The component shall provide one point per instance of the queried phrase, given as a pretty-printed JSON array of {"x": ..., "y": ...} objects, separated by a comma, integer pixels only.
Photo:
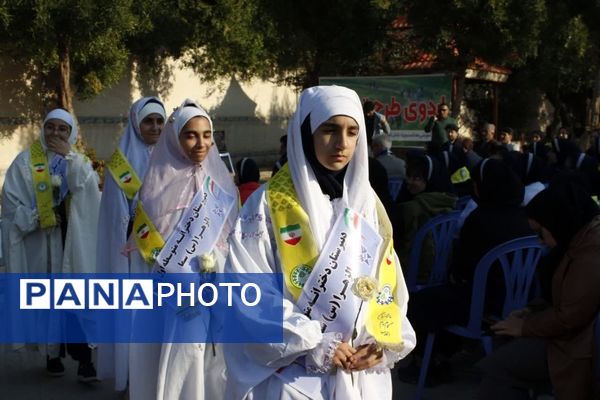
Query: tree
[
  {"x": 215, "y": 38},
  {"x": 72, "y": 46},
  {"x": 567, "y": 65},
  {"x": 308, "y": 39},
  {"x": 459, "y": 31}
]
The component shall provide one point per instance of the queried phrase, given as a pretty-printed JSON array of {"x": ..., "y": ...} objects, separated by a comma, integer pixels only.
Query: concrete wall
[{"x": 253, "y": 114}]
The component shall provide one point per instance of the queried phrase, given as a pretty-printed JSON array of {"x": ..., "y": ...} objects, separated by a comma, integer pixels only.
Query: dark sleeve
[
  {"x": 578, "y": 303},
  {"x": 429, "y": 124}
]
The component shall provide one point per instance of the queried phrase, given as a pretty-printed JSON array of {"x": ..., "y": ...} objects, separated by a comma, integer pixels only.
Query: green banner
[{"x": 406, "y": 101}]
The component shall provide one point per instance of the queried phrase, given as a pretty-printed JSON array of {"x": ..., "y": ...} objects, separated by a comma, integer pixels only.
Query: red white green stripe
[
  {"x": 143, "y": 231},
  {"x": 291, "y": 234},
  {"x": 125, "y": 177}
]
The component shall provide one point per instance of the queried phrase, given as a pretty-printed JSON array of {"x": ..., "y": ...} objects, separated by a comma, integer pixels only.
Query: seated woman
[
  {"x": 292, "y": 225},
  {"x": 530, "y": 169},
  {"x": 497, "y": 219},
  {"x": 248, "y": 177},
  {"x": 456, "y": 165},
  {"x": 556, "y": 338},
  {"x": 184, "y": 168},
  {"x": 428, "y": 193},
  {"x": 567, "y": 156}
]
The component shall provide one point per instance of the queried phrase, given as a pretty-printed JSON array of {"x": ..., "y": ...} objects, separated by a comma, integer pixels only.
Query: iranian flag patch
[
  {"x": 39, "y": 167},
  {"x": 143, "y": 231},
  {"x": 291, "y": 234},
  {"x": 125, "y": 177}
]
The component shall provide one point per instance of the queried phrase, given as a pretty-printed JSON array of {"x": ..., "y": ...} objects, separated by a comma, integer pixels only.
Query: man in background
[
  {"x": 375, "y": 122},
  {"x": 437, "y": 126}
]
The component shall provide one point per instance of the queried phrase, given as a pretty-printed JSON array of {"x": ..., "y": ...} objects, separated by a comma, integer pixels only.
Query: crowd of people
[
  {"x": 507, "y": 189},
  {"x": 336, "y": 161}
]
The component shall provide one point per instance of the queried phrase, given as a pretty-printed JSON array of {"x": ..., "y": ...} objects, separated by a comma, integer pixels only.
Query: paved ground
[{"x": 23, "y": 377}]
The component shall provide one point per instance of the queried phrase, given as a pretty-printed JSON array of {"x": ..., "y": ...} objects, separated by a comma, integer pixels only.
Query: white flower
[
  {"x": 365, "y": 287},
  {"x": 208, "y": 262},
  {"x": 56, "y": 180}
]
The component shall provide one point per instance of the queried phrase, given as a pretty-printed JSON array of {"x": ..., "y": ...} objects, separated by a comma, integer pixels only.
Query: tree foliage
[
  {"x": 458, "y": 31},
  {"x": 312, "y": 38},
  {"x": 85, "y": 35}
]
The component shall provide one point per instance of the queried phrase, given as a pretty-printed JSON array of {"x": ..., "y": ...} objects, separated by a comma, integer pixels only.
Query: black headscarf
[
  {"x": 378, "y": 178},
  {"x": 434, "y": 172},
  {"x": 565, "y": 149},
  {"x": 247, "y": 170},
  {"x": 497, "y": 184},
  {"x": 527, "y": 166},
  {"x": 331, "y": 182},
  {"x": 563, "y": 208}
]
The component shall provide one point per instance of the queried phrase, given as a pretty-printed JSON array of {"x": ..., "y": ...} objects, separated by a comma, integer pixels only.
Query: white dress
[
  {"x": 29, "y": 249},
  {"x": 253, "y": 368}
]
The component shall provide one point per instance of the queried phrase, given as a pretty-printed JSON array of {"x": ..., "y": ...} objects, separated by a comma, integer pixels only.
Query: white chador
[
  {"x": 301, "y": 367},
  {"x": 116, "y": 211},
  {"x": 27, "y": 247},
  {"x": 172, "y": 371}
]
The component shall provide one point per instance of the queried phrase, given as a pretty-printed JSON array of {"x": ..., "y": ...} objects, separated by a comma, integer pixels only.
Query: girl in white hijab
[
  {"x": 182, "y": 161},
  {"x": 326, "y": 180},
  {"x": 50, "y": 206},
  {"x": 146, "y": 120}
]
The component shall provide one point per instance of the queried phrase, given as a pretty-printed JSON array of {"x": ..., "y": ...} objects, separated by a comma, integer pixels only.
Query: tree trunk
[
  {"x": 595, "y": 103},
  {"x": 459, "y": 93},
  {"x": 65, "y": 94}
]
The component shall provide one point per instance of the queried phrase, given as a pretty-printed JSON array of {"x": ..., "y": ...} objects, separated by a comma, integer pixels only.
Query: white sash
[
  {"x": 197, "y": 231},
  {"x": 351, "y": 251}
]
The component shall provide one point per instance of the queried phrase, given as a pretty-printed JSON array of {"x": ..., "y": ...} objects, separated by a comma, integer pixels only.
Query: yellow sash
[
  {"x": 460, "y": 175},
  {"x": 297, "y": 247},
  {"x": 42, "y": 185},
  {"x": 147, "y": 238},
  {"x": 298, "y": 253},
  {"x": 124, "y": 174},
  {"x": 384, "y": 318}
]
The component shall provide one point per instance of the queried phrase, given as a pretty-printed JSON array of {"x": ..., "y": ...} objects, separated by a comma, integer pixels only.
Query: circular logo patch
[
  {"x": 299, "y": 276},
  {"x": 155, "y": 252},
  {"x": 42, "y": 186}
]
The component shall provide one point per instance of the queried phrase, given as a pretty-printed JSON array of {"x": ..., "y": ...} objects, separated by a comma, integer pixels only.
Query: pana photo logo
[{"x": 129, "y": 294}]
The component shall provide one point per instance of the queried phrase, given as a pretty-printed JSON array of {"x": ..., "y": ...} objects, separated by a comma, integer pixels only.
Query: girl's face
[
  {"x": 415, "y": 183},
  {"x": 151, "y": 127},
  {"x": 57, "y": 127},
  {"x": 195, "y": 139},
  {"x": 335, "y": 142}
]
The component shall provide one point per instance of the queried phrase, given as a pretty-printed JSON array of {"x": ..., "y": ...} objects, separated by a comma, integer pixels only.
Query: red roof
[{"x": 424, "y": 60}]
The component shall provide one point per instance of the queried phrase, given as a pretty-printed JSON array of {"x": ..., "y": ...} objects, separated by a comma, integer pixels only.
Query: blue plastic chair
[
  {"x": 394, "y": 186},
  {"x": 518, "y": 258},
  {"x": 462, "y": 201},
  {"x": 441, "y": 229}
]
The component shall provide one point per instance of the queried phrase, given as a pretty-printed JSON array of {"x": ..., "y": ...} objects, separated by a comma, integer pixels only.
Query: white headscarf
[
  {"x": 132, "y": 145},
  {"x": 66, "y": 117},
  {"x": 115, "y": 210},
  {"x": 322, "y": 103},
  {"x": 173, "y": 179}
]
